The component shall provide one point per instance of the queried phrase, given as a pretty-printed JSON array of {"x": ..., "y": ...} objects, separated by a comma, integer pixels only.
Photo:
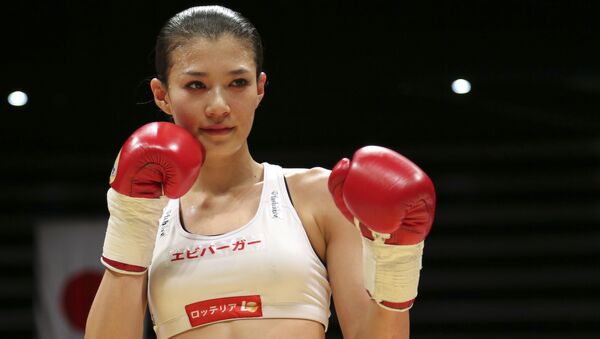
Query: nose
[{"x": 217, "y": 107}]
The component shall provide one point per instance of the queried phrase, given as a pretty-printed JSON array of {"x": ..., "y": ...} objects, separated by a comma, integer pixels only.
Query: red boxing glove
[
  {"x": 159, "y": 157},
  {"x": 392, "y": 202}
]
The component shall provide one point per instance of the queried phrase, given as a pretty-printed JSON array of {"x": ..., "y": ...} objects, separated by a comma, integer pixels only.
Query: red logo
[{"x": 208, "y": 311}]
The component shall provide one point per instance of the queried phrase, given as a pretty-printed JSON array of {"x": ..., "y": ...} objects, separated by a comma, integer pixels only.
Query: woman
[{"x": 247, "y": 250}]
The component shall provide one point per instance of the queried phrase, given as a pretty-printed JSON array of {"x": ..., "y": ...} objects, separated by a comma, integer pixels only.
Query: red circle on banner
[{"x": 77, "y": 297}]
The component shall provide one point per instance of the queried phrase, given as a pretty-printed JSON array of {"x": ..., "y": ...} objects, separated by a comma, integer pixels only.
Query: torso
[{"x": 225, "y": 210}]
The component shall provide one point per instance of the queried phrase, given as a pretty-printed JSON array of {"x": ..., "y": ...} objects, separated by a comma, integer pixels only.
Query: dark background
[{"x": 515, "y": 247}]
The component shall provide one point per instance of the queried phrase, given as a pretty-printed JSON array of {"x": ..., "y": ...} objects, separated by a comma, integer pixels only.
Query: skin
[{"x": 213, "y": 83}]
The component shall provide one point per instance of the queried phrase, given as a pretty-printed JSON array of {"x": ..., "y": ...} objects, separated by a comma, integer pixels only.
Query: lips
[{"x": 217, "y": 130}]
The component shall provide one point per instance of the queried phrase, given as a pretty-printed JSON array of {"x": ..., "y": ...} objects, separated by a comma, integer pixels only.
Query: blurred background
[{"x": 515, "y": 248}]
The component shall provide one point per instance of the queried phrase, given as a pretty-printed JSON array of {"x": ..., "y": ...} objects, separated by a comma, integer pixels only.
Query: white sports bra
[{"x": 264, "y": 269}]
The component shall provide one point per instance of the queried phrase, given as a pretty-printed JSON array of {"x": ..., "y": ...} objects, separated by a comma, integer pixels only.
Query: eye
[
  {"x": 196, "y": 85},
  {"x": 239, "y": 83}
]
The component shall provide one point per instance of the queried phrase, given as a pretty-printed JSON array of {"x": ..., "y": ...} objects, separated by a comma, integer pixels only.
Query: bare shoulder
[
  {"x": 310, "y": 186},
  {"x": 308, "y": 190},
  {"x": 306, "y": 171},
  {"x": 309, "y": 179}
]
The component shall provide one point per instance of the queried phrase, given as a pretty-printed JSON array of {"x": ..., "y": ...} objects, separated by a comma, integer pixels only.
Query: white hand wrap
[
  {"x": 391, "y": 272},
  {"x": 131, "y": 231}
]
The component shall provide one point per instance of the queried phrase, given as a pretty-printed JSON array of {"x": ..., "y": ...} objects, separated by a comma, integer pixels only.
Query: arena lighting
[
  {"x": 17, "y": 98},
  {"x": 461, "y": 86}
]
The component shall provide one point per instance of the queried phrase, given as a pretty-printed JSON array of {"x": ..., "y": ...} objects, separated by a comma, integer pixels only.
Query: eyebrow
[{"x": 238, "y": 71}]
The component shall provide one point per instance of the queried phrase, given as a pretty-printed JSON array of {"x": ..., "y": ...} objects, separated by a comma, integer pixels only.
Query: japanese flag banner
[{"x": 68, "y": 273}]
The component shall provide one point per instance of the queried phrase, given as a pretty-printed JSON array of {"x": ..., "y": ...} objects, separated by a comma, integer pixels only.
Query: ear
[
  {"x": 161, "y": 96},
  {"x": 260, "y": 87}
]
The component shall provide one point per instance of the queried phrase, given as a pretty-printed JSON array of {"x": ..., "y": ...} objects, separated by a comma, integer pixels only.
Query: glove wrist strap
[
  {"x": 391, "y": 272},
  {"x": 131, "y": 232}
]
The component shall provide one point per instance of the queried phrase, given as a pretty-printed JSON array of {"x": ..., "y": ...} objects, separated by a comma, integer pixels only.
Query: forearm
[
  {"x": 119, "y": 307},
  {"x": 381, "y": 323}
]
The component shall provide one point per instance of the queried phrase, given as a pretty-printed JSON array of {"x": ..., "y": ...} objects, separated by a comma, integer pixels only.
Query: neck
[{"x": 221, "y": 173}]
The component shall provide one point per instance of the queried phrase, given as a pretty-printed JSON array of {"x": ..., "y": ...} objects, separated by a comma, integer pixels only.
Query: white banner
[{"x": 68, "y": 272}]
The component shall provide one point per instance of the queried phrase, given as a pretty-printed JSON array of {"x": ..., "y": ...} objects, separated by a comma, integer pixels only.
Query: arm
[
  {"x": 158, "y": 158},
  {"x": 392, "y": 202},
  {"x": 119, "y": 307},
  {"x": 358, "y": 314}
]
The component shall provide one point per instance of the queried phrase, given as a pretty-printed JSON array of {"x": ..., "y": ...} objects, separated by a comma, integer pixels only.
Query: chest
[
  {"x": 219, "y": 214},
  {"x": 227, "y": 213}
]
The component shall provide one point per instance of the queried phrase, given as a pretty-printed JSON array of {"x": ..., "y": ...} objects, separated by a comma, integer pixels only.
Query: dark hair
[{"x": 210, "y": 22}]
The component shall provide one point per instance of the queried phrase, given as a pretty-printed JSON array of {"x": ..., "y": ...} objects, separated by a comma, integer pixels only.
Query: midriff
[{"x": 258, "y": 328}]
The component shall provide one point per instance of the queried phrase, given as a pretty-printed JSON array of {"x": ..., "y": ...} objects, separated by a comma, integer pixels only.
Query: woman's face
[{"x": 213, "y": 91}]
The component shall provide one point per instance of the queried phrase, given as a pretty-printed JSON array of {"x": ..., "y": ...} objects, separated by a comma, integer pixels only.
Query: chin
[{"x": 221, "y": 148}]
